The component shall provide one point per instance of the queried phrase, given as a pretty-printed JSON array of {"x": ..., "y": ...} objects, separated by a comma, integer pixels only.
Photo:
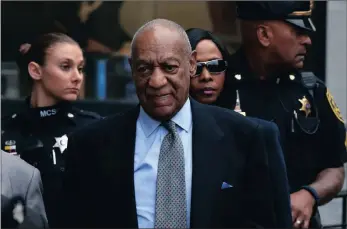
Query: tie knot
[{"x": 170, "y": 126}]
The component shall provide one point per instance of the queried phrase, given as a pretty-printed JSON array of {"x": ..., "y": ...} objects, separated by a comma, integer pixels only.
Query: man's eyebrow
[{"x": 141, "y": 61}]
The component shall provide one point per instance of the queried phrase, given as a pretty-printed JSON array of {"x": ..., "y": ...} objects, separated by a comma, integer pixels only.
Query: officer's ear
[
  {"x": 264, "y": 34},
  {"x": 34, "y": 70}
]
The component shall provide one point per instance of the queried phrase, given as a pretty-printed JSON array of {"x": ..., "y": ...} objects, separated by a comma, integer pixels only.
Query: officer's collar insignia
[
  {"x": 334, "y": 107},
  {"x": 306, "y": 106},
  {"x": 292, "y": 77},
  {"x": 48, "y": 112},
  {"x": 10, "y": 142},
  {"x": 61, "y": 143},
  {"x": 238, "y": 76},
  {"x": 10, "y": 147}
]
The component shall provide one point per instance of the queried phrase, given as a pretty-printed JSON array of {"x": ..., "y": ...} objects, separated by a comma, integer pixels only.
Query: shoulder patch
[{"x": 334, "y": 106}]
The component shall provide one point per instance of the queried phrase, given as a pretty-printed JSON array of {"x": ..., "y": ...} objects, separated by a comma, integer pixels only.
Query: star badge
[
  {"x": 61, "y": 143},
  {"x": 237, "y": 76},
  {"x": 305, "y": 106}
]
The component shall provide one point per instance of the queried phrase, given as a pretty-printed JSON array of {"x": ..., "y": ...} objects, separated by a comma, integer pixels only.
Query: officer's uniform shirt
[
  {"x": 39, "y": 136},
  {"x": 312, "y": 129}
]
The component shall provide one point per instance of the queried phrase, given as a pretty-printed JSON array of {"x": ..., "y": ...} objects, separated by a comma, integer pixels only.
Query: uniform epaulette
[
  {"x": 5, "y": 117},
  {"x": 8, "y": 121},
  {"x": 88, "y": 114},
  {"x": 9, "y": 117}
]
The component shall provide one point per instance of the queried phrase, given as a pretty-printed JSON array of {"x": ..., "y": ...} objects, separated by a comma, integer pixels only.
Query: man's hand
[{"x": 302, "y": 203}]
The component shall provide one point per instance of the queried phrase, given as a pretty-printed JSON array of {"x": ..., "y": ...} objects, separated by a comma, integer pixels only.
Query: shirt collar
[{"x": 183, "y": 119}]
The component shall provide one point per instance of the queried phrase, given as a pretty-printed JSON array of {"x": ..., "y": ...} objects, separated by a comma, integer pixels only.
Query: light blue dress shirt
[{"x": 149, "y": 136}]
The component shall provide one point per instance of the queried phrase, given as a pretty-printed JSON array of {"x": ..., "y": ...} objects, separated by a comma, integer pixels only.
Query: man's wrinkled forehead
[
  {"x": 158, "y": 54},
  {"x": 158, "y": 44}
]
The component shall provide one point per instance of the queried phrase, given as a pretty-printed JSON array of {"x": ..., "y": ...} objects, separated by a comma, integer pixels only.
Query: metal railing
[{"x": 343, "y": 225}]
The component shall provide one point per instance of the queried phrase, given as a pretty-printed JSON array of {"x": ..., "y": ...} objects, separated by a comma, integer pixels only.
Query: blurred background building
[{"x": 104, "y": 30}]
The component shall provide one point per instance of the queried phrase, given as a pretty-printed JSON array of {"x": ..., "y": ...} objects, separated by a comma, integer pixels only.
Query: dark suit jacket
[
  {"x": 227, "y": 147},
  {"x": 278, "y": 175}
]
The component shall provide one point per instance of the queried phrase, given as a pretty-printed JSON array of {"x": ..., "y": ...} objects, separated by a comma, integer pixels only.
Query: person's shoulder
[
  {"x": 309, "y": 80},
  {"x": 84, "y": 114},
  {"x": 16, "y": 166},
  {"x": 321, "y": 87},
  {"x": 243, "y": 125},
  {"x": 10, "y": 120},
  {"x": 264, "y": 126},
  {"x": 227, "y": 117},
  {"x": 102, "y": 127},
  {"x": 321, "y": 91},
  {"x": 14, "y": 161},
  {"x": 82, "y": 118}
]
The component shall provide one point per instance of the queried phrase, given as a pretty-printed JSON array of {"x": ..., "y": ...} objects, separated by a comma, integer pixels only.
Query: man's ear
[
  {"x": 264, "y": 34},
  {"x": 192, "y": 62},
  {"x": 35, "y": 71}
]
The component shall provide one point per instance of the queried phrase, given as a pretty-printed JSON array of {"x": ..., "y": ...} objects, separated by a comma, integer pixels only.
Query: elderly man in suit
[
  {"x": 21, "y": 194},
  {"x": 171, "y": 162}
]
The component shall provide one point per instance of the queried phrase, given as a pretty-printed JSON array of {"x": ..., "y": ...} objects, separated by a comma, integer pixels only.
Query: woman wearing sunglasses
[{"x": 207, "y": 84}]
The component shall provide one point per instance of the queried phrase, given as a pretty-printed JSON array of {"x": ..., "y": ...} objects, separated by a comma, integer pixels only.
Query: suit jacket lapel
[{"x": 207, "y": 165}]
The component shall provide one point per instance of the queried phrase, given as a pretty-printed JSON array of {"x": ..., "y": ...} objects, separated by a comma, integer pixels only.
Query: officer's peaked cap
[{"x": 297, "y": 13}]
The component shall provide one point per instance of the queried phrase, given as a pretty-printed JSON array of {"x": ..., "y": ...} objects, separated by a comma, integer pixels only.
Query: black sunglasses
[{"x": 213, "y": 66}]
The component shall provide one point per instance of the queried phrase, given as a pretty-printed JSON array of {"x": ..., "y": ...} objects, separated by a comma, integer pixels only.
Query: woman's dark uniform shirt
[
  {"x": 312, "y": 130},
  {"x": 39, "y": 136}
]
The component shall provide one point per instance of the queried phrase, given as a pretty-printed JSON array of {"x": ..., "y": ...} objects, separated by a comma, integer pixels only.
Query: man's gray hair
[{"x": 159, "y": 22}]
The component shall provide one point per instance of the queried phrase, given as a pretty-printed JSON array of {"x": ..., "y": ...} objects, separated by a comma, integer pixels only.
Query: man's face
[
  {"x": 289, "y": 44},
  {"x": 161, "y": 69}
]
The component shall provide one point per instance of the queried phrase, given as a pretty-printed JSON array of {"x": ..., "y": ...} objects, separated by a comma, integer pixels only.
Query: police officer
[
  {"x": 39, "y": 134},
  {"x": 267, "y": 82}
]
